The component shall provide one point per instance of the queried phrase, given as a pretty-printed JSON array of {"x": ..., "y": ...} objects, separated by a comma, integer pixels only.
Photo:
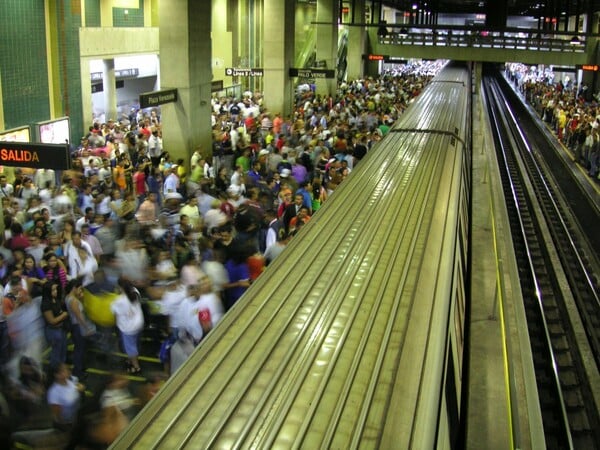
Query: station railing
[{"x": 511, "y": 40}]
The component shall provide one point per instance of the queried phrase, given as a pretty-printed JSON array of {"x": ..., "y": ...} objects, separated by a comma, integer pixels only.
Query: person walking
[
  {"x": 56, "y": 317},
  {"x": 81, "y": 326},
  {"x": 130, "y": 322}
]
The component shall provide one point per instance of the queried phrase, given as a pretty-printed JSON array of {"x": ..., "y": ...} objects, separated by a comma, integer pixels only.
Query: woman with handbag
[
  {"x": 56, "y": 316},
  {"x": 81, "y": 326}
]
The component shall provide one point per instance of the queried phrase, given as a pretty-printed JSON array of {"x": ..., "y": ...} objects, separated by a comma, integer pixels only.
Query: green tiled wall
[
  {"x": 24, "y": 68},
  {"x": 134, "y": 18},
  {"x": 69, "y": 21},
  {"x": 23, "y": 62},
  {"x": 92, "y": 13}
]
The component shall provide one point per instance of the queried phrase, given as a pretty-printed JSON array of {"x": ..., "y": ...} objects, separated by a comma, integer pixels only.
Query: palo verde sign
[
  {"x": 312, "y": 73},
  {"x": 36, "y": 156}
]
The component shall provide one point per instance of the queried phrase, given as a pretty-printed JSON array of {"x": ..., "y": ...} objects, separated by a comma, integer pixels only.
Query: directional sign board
[
  {"x": 312, "y": 73},
  {"x": 149, "y": 99},
  {"x": 37, "y": 156},
  {"x": 395, "y": 60},
  {"x": 589, "y": 67},
  {"x": 236, "y": 72}
]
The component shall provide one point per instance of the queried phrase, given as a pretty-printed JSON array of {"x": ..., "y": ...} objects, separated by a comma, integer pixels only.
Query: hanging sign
[
  {"x": 149, "y": 99},
  {"x": 37, "y": 156},
  {"x": 312, "y": 73},
  {"x": 235, "y": 72}
]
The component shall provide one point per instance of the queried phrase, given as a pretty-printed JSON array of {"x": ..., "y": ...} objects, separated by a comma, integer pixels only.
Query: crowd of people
[
  {"x": 570, "y": 110},
  {"x": 128, "y": 237}
]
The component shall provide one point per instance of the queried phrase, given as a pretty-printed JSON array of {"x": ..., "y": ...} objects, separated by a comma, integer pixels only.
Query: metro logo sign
[{"x": 237, "y": 72}]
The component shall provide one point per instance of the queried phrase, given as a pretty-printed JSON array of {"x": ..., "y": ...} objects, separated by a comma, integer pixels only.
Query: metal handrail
[{"x": 441, "y": 37}]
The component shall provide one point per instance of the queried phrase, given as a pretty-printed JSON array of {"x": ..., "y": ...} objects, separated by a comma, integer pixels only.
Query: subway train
[{"x": 354, "y": 336}]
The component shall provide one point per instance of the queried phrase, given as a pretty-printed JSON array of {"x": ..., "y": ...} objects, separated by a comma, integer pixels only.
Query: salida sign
[{"x": 36, "y": 156}]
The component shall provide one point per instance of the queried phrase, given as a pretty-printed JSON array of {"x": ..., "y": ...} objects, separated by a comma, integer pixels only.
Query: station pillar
[
  {"x": 356, "y": 43},
  {"x": 185, "y": 54},
  {"x": 327, "y": 45},
  {"x": 278, "y": 55},
  {"x": 371, "y": 68},
  {"x": 109, "y": 89}
]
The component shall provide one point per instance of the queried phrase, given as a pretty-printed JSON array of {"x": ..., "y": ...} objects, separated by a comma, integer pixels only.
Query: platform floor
[{"x": 490, "y": 424}]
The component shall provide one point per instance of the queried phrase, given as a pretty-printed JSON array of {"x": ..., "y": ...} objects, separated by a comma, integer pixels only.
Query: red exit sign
[{"x": 375, "y": 57}]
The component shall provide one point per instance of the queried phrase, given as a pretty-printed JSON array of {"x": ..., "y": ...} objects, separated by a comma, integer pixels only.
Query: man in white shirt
[
  {"x": 87, "y": 218},
  {"x": 202, "y": 310},
  {"x": 171, "y": 182},
  {"x": 43, "y": 176},
  {"x": 237, "y": 179},
  {"x": 92, "y": 241},
  {"x": 6, "y": 189},
  {"x": 155, "y": 147},
  {"x": 195, "y": 159},
  {"x": 77, "y": 265},
  {"x": 170, "y": 305},
  {"x": 86, "y": 199},
  {"x": 104, "y": 172}
]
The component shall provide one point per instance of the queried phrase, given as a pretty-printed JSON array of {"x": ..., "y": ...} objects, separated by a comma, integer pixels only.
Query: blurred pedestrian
[
  {"x": 130, "y": 322},
  {"x": 56, "y": 317}
]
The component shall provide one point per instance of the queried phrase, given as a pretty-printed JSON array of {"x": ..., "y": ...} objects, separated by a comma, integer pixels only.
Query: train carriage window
[{"x": 459, "y": 318}]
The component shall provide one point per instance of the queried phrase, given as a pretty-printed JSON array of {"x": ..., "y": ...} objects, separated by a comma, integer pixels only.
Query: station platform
[{"x": 502, "y": 410}]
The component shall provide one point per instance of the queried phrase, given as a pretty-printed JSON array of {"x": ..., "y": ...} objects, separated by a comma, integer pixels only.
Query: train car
[{"x": 353, "y": 337}]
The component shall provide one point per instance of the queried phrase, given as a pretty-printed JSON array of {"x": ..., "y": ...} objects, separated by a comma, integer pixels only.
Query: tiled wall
[
  {"x": 92, "y": 13},
  {"x": 23, "y": 58},
  {"x": 23, "y": 62},
  {"x": 68, "y": 23},
  {"x": 133, "y": 18}
]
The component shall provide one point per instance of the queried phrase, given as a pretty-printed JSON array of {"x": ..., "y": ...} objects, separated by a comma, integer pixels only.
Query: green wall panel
[
  {"x": 133, "y": 18},
  {"x": 23, "y": 63},
  {"x": 92, "y": 13},
  {"x": 68, "y": 23}
]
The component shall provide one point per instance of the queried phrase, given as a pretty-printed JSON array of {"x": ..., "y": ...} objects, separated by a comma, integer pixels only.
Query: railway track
[{"x": 549, "y": 248}]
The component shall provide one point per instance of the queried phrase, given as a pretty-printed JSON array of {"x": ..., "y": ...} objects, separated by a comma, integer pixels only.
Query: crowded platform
[
  {"x": 130, "y": 250},
  {"x": 569, "y": 109}
]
